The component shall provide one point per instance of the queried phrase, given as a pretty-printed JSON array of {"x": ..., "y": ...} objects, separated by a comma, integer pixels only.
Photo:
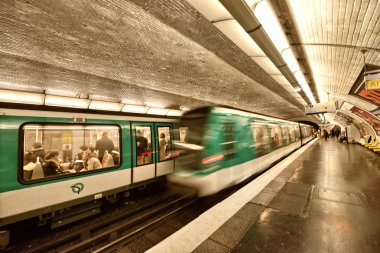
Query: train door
[
  {"x": 151, "y": 143},
  {"x": 164, "y": 158}
]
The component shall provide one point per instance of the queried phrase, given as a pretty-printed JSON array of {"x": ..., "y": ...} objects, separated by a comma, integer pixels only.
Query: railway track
[
  {"x": 113, "y": 232},
  {"x": 88, "y": 235}
]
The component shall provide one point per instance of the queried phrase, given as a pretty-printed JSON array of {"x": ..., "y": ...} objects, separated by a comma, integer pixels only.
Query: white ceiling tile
[{"x": 332, "y": 33}]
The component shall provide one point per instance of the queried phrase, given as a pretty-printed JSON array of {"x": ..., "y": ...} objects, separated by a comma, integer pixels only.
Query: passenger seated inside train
[
  {"x": 28, "y": 166},
  {"x": 51, "y": 166},
  {"x": 116, "y": 156},
  {"x": 78, "y": 156},
  {"x": 107, "y": 160},
  {"x": 38, "y": 153},
  {"x": 92, "y": 162}
]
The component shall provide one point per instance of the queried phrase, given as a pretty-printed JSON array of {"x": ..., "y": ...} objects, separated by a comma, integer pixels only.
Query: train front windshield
[{"x": 191, "y": 132}]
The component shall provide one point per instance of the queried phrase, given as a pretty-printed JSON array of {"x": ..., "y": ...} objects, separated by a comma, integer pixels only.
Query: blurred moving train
[
  {"x": 217, "y": 147},
  {"x": 29, "y": 187},
  {"x": 221, "y": 147}
]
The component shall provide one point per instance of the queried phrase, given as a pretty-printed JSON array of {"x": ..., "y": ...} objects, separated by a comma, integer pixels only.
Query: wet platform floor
[{"x": 327, "y": 200}]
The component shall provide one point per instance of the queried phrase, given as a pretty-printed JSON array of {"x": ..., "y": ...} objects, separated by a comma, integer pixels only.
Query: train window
[
  {"x": 276, "y": 136},
  {"x": 182, "y": 133},
  {"x": 292, "y": 135},
  {"x": 143, "y": 145},
  {"x": 195, "y": 124},
  {"x": 228, "y": 143},
  {"x": 296, "y": 130},
  {"x": 261, "y": 139},
  {"x": 304, "y": 132},
  {"x": 285, "y": 135},
  {"x": 56, "y": 150},
  {"x": 164, "y": 143}
]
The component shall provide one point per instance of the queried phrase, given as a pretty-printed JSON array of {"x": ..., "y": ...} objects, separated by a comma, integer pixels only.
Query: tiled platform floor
[{"x": 327, "y": 200}]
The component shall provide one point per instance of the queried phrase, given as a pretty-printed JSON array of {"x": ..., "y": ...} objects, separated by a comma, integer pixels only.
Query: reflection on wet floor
[{"x": 330, "y": 203}]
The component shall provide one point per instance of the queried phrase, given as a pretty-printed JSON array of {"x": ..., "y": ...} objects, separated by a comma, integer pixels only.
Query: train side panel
[
  {"x": 47, "y": 196},
  {"x": 236, "y": 146}
]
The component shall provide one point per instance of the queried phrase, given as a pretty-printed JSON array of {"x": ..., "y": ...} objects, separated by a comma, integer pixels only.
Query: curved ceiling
[
  {"x": 168, "y": 54},
  {"x": 332, "y": 34}
]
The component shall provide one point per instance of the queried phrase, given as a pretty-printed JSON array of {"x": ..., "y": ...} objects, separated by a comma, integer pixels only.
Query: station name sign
[
  {"x": 326, "y": 107},
  {"x": 372, "y": 81}
]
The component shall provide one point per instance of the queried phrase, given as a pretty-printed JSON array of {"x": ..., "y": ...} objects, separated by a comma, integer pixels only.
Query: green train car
[
  {"x": 221, "y": 147},
  {"x": 59, "y": 166}
]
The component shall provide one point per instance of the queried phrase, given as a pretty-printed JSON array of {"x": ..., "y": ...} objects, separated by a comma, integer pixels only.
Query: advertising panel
[
  {"x": 348, "y": 120},
  {"x": 367, "y": 117}
]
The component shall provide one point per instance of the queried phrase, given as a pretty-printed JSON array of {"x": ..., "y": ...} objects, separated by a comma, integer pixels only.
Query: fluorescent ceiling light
[
  {"x": 282, "y": 80},
  {"x": 290, "y": 60},
  {"x": 58, "y": 92},
  {"x": 267, "y": 65},
  {"x": 20, "y": 97},
  {"x": 271, "y": 25},
  {"x": 184, "y": 108},
  {"x": 157, "y": 111},
  {"x": 213, "y": 10},
  {"x": 300, "y": 77},
  {"x": 135, "y": 108},
  {"x": 236, "y": 33},
  {"x": 302, "y": 81},
  {"x": 174, "y": 113},
  {"x": 66, "y": 101},
  {"x": 108, "y": 106}
]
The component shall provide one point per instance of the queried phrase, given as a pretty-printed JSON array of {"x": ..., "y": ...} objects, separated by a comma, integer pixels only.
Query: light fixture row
[
  {"x": 10, "y": 96},
  {"x": 272, "y": 27}
]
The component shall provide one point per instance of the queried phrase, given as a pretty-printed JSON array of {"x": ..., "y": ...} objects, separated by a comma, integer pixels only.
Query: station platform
[{"x": 325, "y": 197}]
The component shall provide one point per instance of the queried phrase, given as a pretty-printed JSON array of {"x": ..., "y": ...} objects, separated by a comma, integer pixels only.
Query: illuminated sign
[
  {"x": 361, "y": 89},
  {"x": 372, "y": 82},
  {"x": 320, "y": 108}
]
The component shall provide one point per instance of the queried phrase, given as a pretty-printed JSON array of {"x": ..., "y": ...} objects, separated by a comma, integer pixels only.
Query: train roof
[{"x": 222, "y": 109}]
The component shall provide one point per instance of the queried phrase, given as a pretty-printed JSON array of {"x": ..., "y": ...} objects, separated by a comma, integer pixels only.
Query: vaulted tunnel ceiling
[{"x": 167, "y": 54}]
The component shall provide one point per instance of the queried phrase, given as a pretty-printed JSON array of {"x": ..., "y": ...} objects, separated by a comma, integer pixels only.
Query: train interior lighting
[{"x": 266, "y": 17}]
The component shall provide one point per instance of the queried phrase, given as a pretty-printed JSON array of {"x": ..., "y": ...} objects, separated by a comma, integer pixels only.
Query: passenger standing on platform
[
  {"x": 104, "y": 144},
  {"x": 325, "y": 134},
  {"x": 337, "y": 133},
  {"x": 141, "y": 147}
]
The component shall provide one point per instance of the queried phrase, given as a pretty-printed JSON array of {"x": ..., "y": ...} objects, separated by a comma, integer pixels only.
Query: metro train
[
  {"x": 30, "y": 188},
  {"x": 220, "y": 147}
]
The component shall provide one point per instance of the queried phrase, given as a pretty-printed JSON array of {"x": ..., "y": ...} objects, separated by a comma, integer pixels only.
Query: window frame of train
[
  {"x": 154, "y": 167},
  {"x": 256, "y": 145},
  {"x": 272, "y": 136},
  {"x": 286, "y": 128},
  {"x": 297, "y": 133},
  {"x": 60, "y": 127},
  {"x": 292, "y": 134},
  {"x": 228, "y": 140}
]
